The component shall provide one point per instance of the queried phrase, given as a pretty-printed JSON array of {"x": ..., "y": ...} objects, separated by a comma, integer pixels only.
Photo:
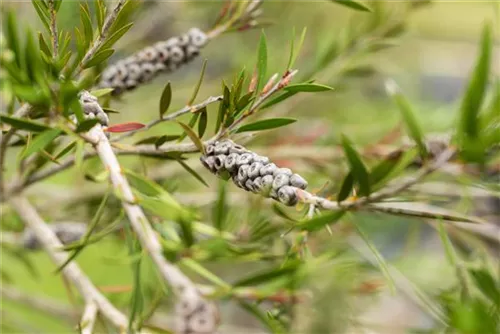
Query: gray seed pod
[
  {"x": 268, "y": 169},
  {"x": 298, "y": 181},
  {"x": 219, "y": 162},
  {"x": 261, "y": 159},
  {"x": 257, "y": 184},
  {"x": 230, "y": 163},
  {"x": 202, "y": 321},
  {"x": 286, "y": 171},
  {"x": 222, "y": 147},
  {"x": 208, "y": 162},
  {"x": 273, "y": 193},
  {"x": 237, "y": 182},
  {"x": 176, "y": 54},
  {"x": 249, "y": 185},
  {"x": 198, "y": 37},
  {"x": 210, "y": 149},
  {"x": 254, "y": 170},
  {"x": 281, "y": 180},
  {"x": 242, "y": 173},
  {"x": 244, "y": 159},
  {"x": 267, "y": 182},
  {"x": 287, "y": 195},
  {"x": 238, "y": 149}
]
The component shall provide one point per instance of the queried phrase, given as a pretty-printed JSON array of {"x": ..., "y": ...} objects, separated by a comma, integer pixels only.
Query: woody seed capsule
[
  {"x": 222, "y": 147},
  {"x": 237, "y": 149},
  {"x": 219, "y": 161},
  {"x": 268, "y": 169},
  {"x": 287, "y": 195},
  {"x": 244, "y": 159},
  {"x": 230, "y": 163},
  {"x": 254, "y": 170},
  {"x": 242, "y": 173},
  {"x": 285, "y": 171},
  {"x": 281, "y": 180},
  {"x": 297, "y": 181}
]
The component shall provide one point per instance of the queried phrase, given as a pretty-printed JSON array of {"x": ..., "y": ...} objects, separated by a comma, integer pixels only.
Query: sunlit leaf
[
  {"x": 190, "y": 133},
  {"x": 101, "y": 92},
  {"x": 272, "y": 324},
  {"x": 307, "y": 87},
  {"x": 266, "y": 124}
]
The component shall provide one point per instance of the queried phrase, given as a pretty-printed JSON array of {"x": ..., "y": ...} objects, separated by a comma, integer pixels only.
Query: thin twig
[
  {"x": 88, "y": 318},
  {"x": 172, "y": 116},
  {"x": 108, "y": 22},
  {"x": 71, "y": 271},
  {"x": 53, "y": 29}
]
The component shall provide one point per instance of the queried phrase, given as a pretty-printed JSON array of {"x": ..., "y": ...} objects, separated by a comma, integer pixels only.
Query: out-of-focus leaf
[
  {"x": 168, "y": 210},
  {"x": 488, "y": 284},
  {"x": 100, "y": 13},
  {"x": 101, "y": 92},
  {"x": 346, "y": 188},
  {"x": 157, "y": 140},
  {"x": 203, "y": 272},
  {"x": 219, "y": 211},
  {"x": 282, "y": 213},
  {"x": 192, "y": 172},
  {"x": 383, "y": 168},
  {"x": 198, "y": 84},
  {"x": 266, "y": 124},
  {"x": 473, "y": 316},
  {"x": 278, "y": 99},
  {"x": 86, "y": 22},
  {"x": 202, "y": 124},
  {"x": 10, "y": 30},
  {"x": 261, "y": 62},
  {"x": 223, "y": 107},
  {"x": 243, "y": 102},
  {"x": 30, "y": 94},
  {"x": 40, "y": 142},
  {"x": 125, "y": 127},
  {"x": 307, "y": 87},
  {"x": 408, "y": 115},
  {"x": 136, "y": 299},
  {"x": 267, "y": 275},
  {"x": 353, "y": 4},
  {"x": 24, "y": 124},
  {"x": 116, "y": 36},
  {"x": 166, "y": 98},
  {"x": 190, "y": 133},
  {"x": 86, "y": 125},
  {"x": 98, "y": 58},
  {"x": 110, "y": 111},
  {"x": 272, "y": 324},
  {"x": 124, "y": 15},
  {"x": 237, "y": 88},
  {"x": 292, "y": 49},
  {"x": 65, "y": 150},
  {"x": 321, "y": 221},
  {"x": 42, "y": 44},
  {"x": 358, "y": 169},
  {"x": 402, "y": 162}
]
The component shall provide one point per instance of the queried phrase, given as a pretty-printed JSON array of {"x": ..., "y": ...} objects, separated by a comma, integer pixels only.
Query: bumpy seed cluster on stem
[
  {"x": 66, "y": 232},
  {"x": 194, "y": 315},
  {"x": 144, "y": 65},
  {"x": 252, "y": 172}
]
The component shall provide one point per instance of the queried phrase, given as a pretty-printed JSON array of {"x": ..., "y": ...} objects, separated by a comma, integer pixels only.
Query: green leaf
[
  {"x": 307, "y": 87},
  {"x": 272, "y": 324},
  {"x": 12, "y": 37},
  {"x": 157, "y": 140},
  {"x": 166, "y": 98},
  {"x": 400, "y": 165},
  {"x": 100, "y": 13},
  {"x": 86, "y": 125},
  {"x": 346, "y": 188},
  {"x": 266, "y": 124},
  {"x": 24, "y": 124},
  {"x": 197, "y": 268},
  {"x": 124, "y": 15},
  {"x": 101, "y": 92},
  {"x": 192, "y": 172},
  {"x": 40, "y": 142},
  {"x": 237, "y": 87},
  {"x": 98, "y": 58},
  {"x": 42, "y": 12},
  {"x": 488, "y": 284},
  {"x": 65, "y": 150},
  {"x": 292, "y": 49},
  {"x": 243, "y": 102},
  {"x": 414, "y": 129},
  {"x": 116, "y": 36},
  {"x": 267, "y": 275},
  {"x": 198, "y": 84},
  {"x": 299, "y": 47},
  {"x": 358, "y": 169},
  {"x": 168, "y": 210},
  {"x": 202, "y": 124},
  {"x": 87, "y": 23},
  {"x": 353, "y": 4},
  {"x": 277, "y": 99},
  {"x": 198, "y": 143},
  {"x": 223, "y": 107},
  {"x": 474, "y": 95},
  {"x": 380, "y": 171},
  {"x": 261, "y": 62},
  {"x": 320, "y": 221},
  {"x": 149, "y": 187},
  {"x": 219, "y": 211},
  {"x": 44, "y": 46}
]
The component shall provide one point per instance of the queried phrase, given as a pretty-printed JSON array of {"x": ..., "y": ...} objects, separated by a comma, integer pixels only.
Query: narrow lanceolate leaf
[
  {"x": 44, "y": 47},
  {"x": 380, "y": 171},
  {"x": 100, "y": 13},
  {"x": 202, "y": 124},
  {"x": 98, "y": 58},
  {"x": 267, "y": 275},
  {"x": 65, "y": 150},
  {"x": 166, "y": 98},
  {"x": 266, "y": 124},
  {"x": 40, "y": 142},
  {"x": 125, "y": 127},
  {"x": 86, "y": 22},
  {"x": 198, "y": 84},
  {"x": 42, "y": 12},
  {"x": 488, "y": 284},
  {"x": 353, "y": 4},
  {"x": 476, "y": 88},
  {"x": 116, "y": 36},
  {"x": 219, "y": 211},
  {"x": 101, "y": 92},
  {"x": 272, "y": 324},
  {"x": 358, "y": 169},
  {"x": 412, "y": 125},
  {"x": 197, "y": 268},
  {"x": 307, "y": 87},
  {"x": 24, "y": 124},
  {"x": 12, "y": 37},
  {"x": 346, "y": 188},
  {"x": 86, "y": 125},
  {"x": 192, "y": 172},
  {"x": 261, "y": 62},
  {"x": 320, "y": 221},
  {"x": 190, "y": 133},
  {"x": 278, "y": 99},
  {"x": 292, "y": 50}
]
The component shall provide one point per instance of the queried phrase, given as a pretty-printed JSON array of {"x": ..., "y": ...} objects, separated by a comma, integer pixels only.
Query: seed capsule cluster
[
  {"x": 252, "y": 172},
  {"x": 195, "y": 315},
  {"x": 143, "y": 66},
  {"x": 66, "y": 232}
]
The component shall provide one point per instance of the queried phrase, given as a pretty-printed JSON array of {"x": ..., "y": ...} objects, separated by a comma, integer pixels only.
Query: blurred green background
[{"x": 431, "y": 63}]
